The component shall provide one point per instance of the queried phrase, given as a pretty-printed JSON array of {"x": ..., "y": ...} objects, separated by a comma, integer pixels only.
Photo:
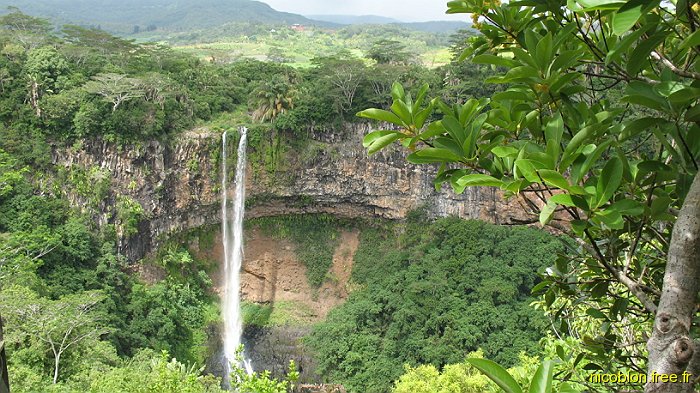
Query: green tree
[
  {"x": 619, "y": 176},
  {"x": 388, "y": 52},
  {"x": 342, "y": 74},
  {"x": 45, "y": 70},
  {"x": 115, "y": 88},
  {"x": 58, "y": 324},
  {"x": 277, "y": 55},
  {"x": 29, "y": 31},
  {"x": 272, "y": 98}
]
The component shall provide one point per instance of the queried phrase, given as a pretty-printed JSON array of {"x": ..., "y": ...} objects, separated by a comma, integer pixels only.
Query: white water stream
[{"x": 232, "y": 234}]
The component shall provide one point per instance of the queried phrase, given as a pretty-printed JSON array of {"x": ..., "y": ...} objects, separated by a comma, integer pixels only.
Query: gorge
[{"x": 182, "y": 191}]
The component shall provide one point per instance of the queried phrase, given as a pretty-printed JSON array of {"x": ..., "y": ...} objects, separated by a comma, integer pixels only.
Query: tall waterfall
[{"x": 232, "y": 229}]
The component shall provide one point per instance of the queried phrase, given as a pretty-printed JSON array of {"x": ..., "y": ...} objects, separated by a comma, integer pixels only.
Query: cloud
[{"x": 406, "y": 10}]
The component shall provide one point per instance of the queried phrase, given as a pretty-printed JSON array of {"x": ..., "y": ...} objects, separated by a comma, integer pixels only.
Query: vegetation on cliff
[
  {"x": 431, "y": 295},
  {"x": 70, "y": 307}
]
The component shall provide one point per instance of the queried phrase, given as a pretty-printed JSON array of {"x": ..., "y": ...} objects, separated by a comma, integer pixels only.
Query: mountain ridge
[
  {"x": 437, "y": 26},
  {"x": 124, "y": 16}
]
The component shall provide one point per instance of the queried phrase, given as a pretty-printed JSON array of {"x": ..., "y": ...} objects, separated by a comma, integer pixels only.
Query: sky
[{"x": 404, "y": 10}]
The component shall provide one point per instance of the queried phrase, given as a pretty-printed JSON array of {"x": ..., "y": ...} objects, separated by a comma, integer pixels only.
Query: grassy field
[{"x": 297, "y": 48}]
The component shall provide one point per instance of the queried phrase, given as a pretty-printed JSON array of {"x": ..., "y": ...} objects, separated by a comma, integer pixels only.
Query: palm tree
[{"x": 272, "y": 98}]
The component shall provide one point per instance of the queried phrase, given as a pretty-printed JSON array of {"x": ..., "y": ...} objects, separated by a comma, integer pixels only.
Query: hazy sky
[{"x": 405, "y": 10}]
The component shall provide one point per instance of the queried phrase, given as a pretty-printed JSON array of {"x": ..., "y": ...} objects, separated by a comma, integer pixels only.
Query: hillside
[
  {"x": 438, "y": 26},
  {"x": 354, "y": 19},
  {"x": 124, "y": 16}
]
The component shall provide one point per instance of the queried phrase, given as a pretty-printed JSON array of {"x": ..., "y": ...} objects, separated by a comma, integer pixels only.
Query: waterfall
[{"x": 232, "y": 234}]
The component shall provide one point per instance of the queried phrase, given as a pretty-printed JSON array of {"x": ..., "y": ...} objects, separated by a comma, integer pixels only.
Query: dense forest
[{"x": 585, "y": 112}]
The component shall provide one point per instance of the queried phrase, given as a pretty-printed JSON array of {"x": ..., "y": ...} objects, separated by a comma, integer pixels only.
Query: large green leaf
[
  {"x": 629, "y": 14},
  {"x": 528, "y": 169},
  {"x": 542, "y": 381},
  {"x": 504, "y": 151},
  {"x": 610, "y": 219},
  {"x": 397, "y": 91},
  {"x": 638, "y": 126},
  {"x": 403, "y": 111},
  {"x": 455, "y": 129},
  {"x": 497, "y": 374},
  {"x": 554, "y": 179},
  {"x": 421, "y": 116},
  {"x": 553, "y": 133},
  {"x": 691, "y": 41},
  {"x": 514, "y": 95},
  {"x": 420, "y": 97},
  {"x": 431, "y": 155},
  {"x": 377, "y": 140},
  {"x": 580, "y": 172},
  {"x": 609, "y": 181},
  {"x": 478, "y": 179},
  {"x": 624, "y": 44},
  {"x": 469, "y": 145},
  {"x": 544, "y": 53},
  {"x": 547, "y": 212},
  {"x": 628, "y": 207},
  {"x": 381, "y": 115},
  {"x": 581, "y": 137},
  {"x": 563, "y": 199},
  {"x": 642, "y": 93},
  {"x": 493, "y": 59},
  {"x": 640, "y": 54},
  {"x": 593, "y": 5}
]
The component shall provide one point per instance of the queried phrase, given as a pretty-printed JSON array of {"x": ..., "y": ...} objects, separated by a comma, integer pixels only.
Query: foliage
[
  {"x": 281, "y": 313},
  {"x": 261, "y": 382},
  {"x": 68, "y": 304},
  {"x": 89, "y": 83},
  {"x": 115, "y": 88},
  {"x": 433, "y": 295},
  {"x": 462, "y": 377},
  {"x": 610, "y": 172},
  {"x": 149, "y": 372},
  {"x": 129, "y": 214},
  {"x": 58, "y": 325},
  {"x": 542, "y": 381},
  {"x": 272, "y": 98},
  {"x": 454, "y": 378},
  {"x": 388, "y": 52}
]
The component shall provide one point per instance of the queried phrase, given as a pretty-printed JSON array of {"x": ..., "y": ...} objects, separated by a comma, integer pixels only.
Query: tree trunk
[
  {"x": 57, "y": 359},
  {"x": 4, "y": 378},
  {"x": 672, "y": 351}
]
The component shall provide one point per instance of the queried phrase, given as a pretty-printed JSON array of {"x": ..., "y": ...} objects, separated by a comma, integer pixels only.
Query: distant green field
[{"x": 298, "y": 48}]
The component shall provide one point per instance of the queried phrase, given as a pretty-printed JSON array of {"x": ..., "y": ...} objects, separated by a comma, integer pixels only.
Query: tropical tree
[
  {"x": 28, "y": 31},
  {"x": 272, "y": 98},
  {"x": 115, "y": 88},
  {"x": 598, "y": 134},
  {"x": 57, "y": 324},
  {"x": 342, "y": 73},
  {"x": 45, "y": 70},
  {"x": 388, "y": 52}
]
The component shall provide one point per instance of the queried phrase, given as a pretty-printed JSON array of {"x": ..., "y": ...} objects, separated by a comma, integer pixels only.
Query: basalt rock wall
[{"x": 177, "y": 183}]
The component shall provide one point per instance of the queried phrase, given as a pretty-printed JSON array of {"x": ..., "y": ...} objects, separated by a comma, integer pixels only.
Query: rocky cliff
[{"x": 177, "y": 183}]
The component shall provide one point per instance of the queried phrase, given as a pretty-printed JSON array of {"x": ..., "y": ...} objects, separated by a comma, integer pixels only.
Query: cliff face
[{"x": 178, "y": 185}]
